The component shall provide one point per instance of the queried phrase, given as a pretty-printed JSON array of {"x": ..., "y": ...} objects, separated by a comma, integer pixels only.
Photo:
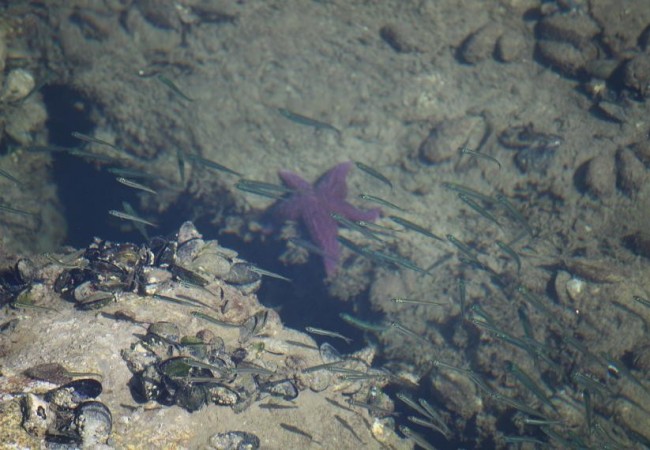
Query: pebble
[
  {"x": 600, "y": 178},
  {"x": 398, "y": 39},
  {"x": 637, "y": 75},
  {"x": 446, "y": 138},
  {"x": 18, "y": 85},
  {"x": 631, "y": 175},
  {"x": 511, "y": 46},
  {"x": 575, "y": 29},
  {"x": 480, "y": 45},
  {"x": 565, "y": 41},
  {"x": 639, "y": 243}
]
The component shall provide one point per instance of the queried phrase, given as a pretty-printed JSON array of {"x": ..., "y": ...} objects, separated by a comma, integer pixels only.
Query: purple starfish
[{"x": 313, "y": 206}]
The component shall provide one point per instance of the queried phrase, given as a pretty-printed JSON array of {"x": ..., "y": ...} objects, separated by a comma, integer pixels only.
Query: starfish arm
[
  {"x": 323, "y": 230},
  {"x": 294, "y": 181},
  {"x": 288, "y": 209},
  {"x": 353, "y": 213},
  {"x": 332, "y": 184}
]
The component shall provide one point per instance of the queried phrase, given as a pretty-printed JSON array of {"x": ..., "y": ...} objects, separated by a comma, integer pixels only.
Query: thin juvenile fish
[
  {"x": 212, "y": 165},
  {"x": 519, "y": 217},
  {"x": 414, "y": 227},
  {"x": 171, "y": 85},
  {"x": 347, "y": 426},
  {"x": 373, "y": 173},
  {"x": 641, "y": 301},
  {"x": 10, "y": 177},
  {"x": 394, "y": 259},
  {"x": 180, "y": 159},
  {"x": 408, "y": 332},
  {"x": 380, "y": 201},
  {"x": 460, "y": 189},
  {"x": 131, "y": 173},
  {"x": 133, "y": 218},
  {"x": 462, "y": 296},
  {"x": 435, "y": 417},
  {"x": 267, "y": 273},
  {"x": 195, "y": 301},
  {"x": 307, "y": 121},
  {"x": 325, "y": 366},
  {"x": 298, "y": 431},
  {"x": 11, "y": 210},
  {"x": 138, "y": 226},
  {"x": 412, "y": 403},
  {"x": 511, "y": 252},
  {"x": 176, "y": 301},
  {"x": 529, "y": 383},
  {"x": 478, "y": 208},
  {"x": 328, "y": 333},
  {"x": 268, "y": 190},
  {"x": 416, "y": 302},
  {"x": 94, "y": 140},
  {"x": 221, "y": 323},
  {"x": 416, "y": 437},
  {"x": 353, "y": 226},
  {"x": 426, "y": 423},
  {"x": 464, "y": 248},
  {"x": 363, "y": 325},
  {"x": 466, "y": 151},
  {"x": 134, "y": 185},
  {"x": 276, "y": 406},
  {"x": 310, "y": 247},
  {"x": 82, "y": 153}
]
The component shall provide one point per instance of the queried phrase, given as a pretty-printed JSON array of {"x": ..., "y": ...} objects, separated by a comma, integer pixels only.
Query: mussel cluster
[
  {"x": 192, "y": 371},
  {"x": 106, "y": 269},
  {"x": 69, "y": 414}
]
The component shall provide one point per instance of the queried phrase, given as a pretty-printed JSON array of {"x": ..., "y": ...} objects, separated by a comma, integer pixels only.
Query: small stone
[
  {"x": 445, "y": 139},
  {"x": 642, "y": 151},
  {"x": 511, "y": 46},
  {"x": 398, "y": 39},
  {"x": 479, "y": 45},
  {"x": 600, "y": 177},
  {"x": 564, "y": 57},
  {"x": 602, "y": 68},
  {"x": 639, "y": 243},
  {"x": 575, "y": 29},
  {"x": 575, "y": 288},
  {"x": 631, "y": 175},
  {"x": 18, "y": 85},
  {"x": 637, "y": 75}
]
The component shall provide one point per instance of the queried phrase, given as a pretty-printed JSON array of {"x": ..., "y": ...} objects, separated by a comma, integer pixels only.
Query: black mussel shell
[
  {"x": 93, "y": 422},
  {"x": 68, "y": 280},
  {"x": 282, "y": 388},
  {"x": 192, "y": 397},
  {"x": 235, "y": 440},
  {"x": 79, "y": 390}
]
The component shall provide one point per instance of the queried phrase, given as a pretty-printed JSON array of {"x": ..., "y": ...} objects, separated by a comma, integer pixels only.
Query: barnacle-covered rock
[{"x": 235, "y": 440}]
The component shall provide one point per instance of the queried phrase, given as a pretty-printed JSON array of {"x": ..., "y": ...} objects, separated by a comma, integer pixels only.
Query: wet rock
[
  {"x": 601, "y": 68},
  {"x": 398, "y": 39},
  {"x": 616, "y": 112},
  {"x": 535, "y": 149},
  {"x": 637, "y": 75},
  {"x": 511, "y": 46},
  {"x": 642, "y": 151},
  {"x": 575, "y": 29},
  {"x": 235, "y": 440},
  {"x": 599, "y": 176},
  {"x": 631, "y": 175},
  {"x": 160, "y": 14},
  {"x": 638, "y": 242},
  {"x": 565, "y": 41},
  {"x": 564, "y": 57},
  {"x": 446, "y": 138},
  {"x": 18, "y": 84},
  {"x": 480, "y": 45}
]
